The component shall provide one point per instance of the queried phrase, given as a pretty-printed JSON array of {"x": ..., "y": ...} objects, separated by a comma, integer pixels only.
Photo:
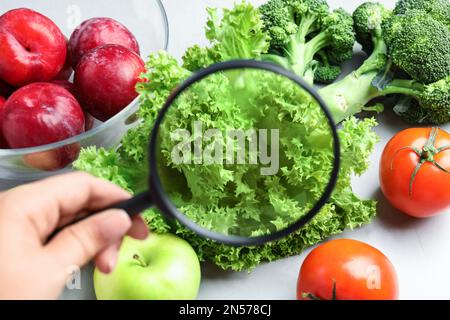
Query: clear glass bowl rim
[{"x": 125, "y": 113}]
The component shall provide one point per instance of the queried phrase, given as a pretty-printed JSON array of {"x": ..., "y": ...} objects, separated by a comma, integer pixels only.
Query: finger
[
  {"x": 61, "y": 198},
  {"x": 139, "y": 229},
  {"x": 79, "y": 243},
  {"x": 106, "y": 260},
  {"x": 66, "y": 220}
]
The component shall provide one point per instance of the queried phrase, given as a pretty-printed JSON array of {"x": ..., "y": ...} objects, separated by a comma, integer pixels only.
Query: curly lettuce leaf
[
  {"x": 196, "y": 57},
  {"x": 106, "y": 164},
  {"x": 237, "y": 35},
  {"x": 238, "y": 198}
]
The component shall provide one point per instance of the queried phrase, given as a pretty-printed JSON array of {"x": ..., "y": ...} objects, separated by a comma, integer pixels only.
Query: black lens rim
[{"x": 162, "y": 201}]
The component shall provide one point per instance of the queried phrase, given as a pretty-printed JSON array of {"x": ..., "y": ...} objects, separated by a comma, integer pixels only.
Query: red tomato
[
  {"x": 347, "y": 269},
  {"x": 414, "y": 173}
]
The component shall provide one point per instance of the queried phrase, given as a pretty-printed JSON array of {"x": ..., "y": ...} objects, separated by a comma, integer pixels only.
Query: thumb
[{"x": 79, "y": 243}]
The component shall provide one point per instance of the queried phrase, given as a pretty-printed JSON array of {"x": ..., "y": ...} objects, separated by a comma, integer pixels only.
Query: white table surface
[{"x": 419, "y": 249}]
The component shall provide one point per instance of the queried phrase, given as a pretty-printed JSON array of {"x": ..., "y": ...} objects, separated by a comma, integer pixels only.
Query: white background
[{"x": 419, "y": 249}]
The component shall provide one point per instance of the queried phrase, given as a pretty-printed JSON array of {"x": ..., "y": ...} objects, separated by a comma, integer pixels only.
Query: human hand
[{"x": 30, "y": 268}]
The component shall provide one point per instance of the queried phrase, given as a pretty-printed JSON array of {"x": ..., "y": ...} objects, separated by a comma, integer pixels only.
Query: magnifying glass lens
[{"x": 246, "y": 152}]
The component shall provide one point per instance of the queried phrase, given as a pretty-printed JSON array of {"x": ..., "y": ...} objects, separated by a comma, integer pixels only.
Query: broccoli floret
[
  {"x": 367, "y": 21},
  {"x": 299, "y": 29},
  {"x": 278, "y": 22},
  {"x": 439, "y": 10},
  {"x": 424, "y": 104},
  {"x": 436, "y": 100},
  {"x": 337, "y": 57},
  {"x": 325, "y": 72},
  {"x": 337, "y": 36},
  {"x": 419, "y": 45},
  {"x": 286, "y": 18}
]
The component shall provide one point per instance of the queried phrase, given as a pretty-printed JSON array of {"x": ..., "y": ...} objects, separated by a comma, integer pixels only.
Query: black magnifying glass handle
[{"x": 133, "y": 206}]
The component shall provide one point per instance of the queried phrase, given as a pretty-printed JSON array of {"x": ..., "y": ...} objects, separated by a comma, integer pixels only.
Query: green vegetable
[
  {"x": 408, "y": 47},
  {"x": 324, "y": 71},
  {"x": 301, "y": 29},
  {"x": 412, "y": 42},
  {"x": 367, "y": 20},
  {"x": 127, "y": 165},
  {"x": 439, "y": 10},
  {"x": 238, "y": 35},
  {"x": 238, "y": 198},
  {"x": 419, "y": 45}
]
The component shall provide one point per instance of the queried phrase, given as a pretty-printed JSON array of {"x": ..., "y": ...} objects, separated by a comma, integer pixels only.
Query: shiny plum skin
[
  {"x": 3, "y": 144},
  {"x": 69, "y": 86},
  {"x": 97, "y": 32},
  {"x": 41, "y": 113},
  {"x": 105, "y": 79},
  {"x": 67, "y": 70},
  {"x": 32, "y": 47}
]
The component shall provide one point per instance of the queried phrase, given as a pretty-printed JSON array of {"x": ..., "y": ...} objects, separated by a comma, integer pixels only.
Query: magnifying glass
[{"x": 243, "y": 152}]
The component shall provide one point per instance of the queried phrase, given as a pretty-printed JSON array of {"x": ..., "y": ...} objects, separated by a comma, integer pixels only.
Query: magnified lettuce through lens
[{"x": 245, "y": 152}]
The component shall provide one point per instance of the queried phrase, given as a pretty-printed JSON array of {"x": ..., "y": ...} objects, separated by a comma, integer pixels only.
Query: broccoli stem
[
  {"x": 406, "y": 87},
  {"x": 305, "y": 27},
  {"x": 302, "y": 54},
  {"x": 299, "y": 52},
  {"x": 349, "y": 96},
  {"x": 310, "y": 72},
  {"x": 317, "y": 43},
  {"x": 300, "y": 59}
]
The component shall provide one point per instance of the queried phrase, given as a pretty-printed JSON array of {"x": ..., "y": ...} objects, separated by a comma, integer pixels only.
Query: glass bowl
[{"x": 146, "y": 19}]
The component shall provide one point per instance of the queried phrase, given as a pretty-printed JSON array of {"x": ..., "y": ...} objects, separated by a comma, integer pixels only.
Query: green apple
[{"x": 160, "y": 267}]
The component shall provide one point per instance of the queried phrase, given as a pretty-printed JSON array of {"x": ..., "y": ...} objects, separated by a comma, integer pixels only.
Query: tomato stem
[
  {"x": 416, "y": 151},
  {"x": 425, "y": 155},
  {"x": 314, "y": 297},
  {"x": 440, "y": 167},
  {"x": 413, "y": 176},
  {"x": 443, "y": 148}
]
